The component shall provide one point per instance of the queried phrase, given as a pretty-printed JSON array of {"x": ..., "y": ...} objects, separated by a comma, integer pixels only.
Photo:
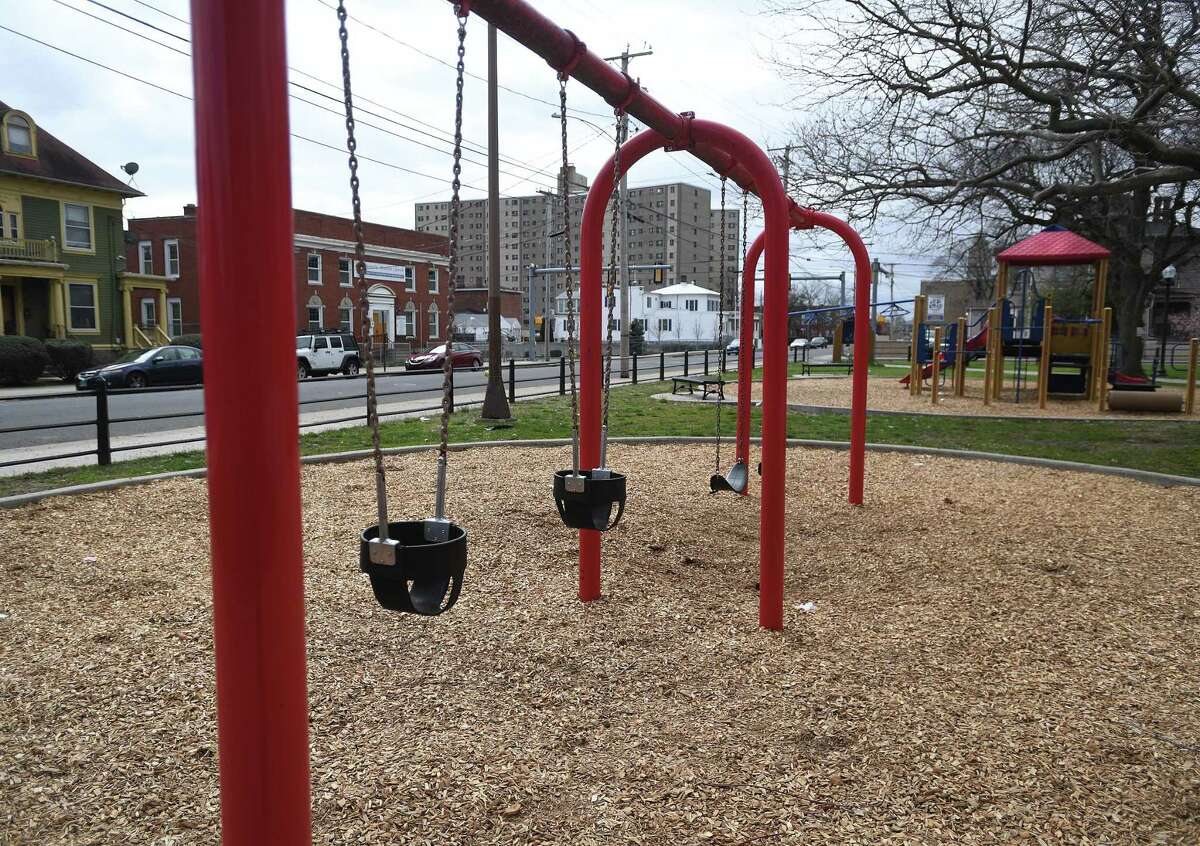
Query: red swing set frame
[{"x": 244, "y": 239}]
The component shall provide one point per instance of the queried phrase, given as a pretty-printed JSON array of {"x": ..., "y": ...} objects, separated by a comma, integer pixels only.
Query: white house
[{"x": 683, "y": 313}]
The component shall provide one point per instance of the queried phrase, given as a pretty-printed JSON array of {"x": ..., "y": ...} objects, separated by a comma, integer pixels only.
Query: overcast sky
[{"x": 709, "y": 57}]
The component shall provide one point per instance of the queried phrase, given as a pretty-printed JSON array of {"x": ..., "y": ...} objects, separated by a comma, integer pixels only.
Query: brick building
[{"x": 406, "y": 275}]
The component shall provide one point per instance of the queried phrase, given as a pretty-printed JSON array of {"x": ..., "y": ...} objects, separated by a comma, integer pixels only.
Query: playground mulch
[
  {"x": 885, "y": 393},
  {"x": 985, "y": 653}
]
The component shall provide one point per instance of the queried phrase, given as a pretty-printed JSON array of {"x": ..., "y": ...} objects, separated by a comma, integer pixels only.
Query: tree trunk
[{"x": 1128, "y": 315}]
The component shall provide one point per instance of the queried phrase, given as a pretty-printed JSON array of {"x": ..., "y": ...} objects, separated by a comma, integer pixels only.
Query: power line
[
  {"x": 441, "y": 61},
  {"x": 475, "y": 148}
]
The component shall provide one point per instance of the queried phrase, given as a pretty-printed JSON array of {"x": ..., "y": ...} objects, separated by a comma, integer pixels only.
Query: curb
[{"x": 1147, "y": 476}]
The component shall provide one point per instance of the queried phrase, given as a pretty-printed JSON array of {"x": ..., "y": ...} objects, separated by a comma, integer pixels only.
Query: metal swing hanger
[
  {"x": 584, "y": 498},
  {"x": 414, "y": 566},
  {"x": 610, "y": 297},
  {"x": 738, "y": 476}
]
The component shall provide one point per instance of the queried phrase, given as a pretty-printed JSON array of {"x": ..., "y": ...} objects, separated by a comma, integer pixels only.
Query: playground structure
[
  {"x": 1021, "y": 327},
  {"x": 258, "y": 606}
]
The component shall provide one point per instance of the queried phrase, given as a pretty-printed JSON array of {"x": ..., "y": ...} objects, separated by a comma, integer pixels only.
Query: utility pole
[
  {"x": 623, "y": 195},
  {"x": 495, "y": 403},
  {"x": 842, "y": 278},
  {"x": 875, "y": 268},
  {"x": 786, "y": 167}
]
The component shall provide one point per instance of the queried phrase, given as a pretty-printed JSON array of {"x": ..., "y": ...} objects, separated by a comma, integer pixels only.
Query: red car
[{"x": 435, "y": 359}]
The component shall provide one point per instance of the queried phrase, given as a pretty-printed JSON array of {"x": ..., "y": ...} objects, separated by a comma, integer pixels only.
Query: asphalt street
[{"x": 150, "y": 412}]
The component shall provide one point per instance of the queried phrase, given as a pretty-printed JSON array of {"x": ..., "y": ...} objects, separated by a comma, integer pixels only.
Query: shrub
[
  {"x": 68, "y": 357},
  {"x": 187, "y": 341},
  {"x": 22, "y": 359}
]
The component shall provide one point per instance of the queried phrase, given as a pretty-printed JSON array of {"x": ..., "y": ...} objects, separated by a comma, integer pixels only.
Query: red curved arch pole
[
  {"x": 755, "y": 162},
  {"x": 806, "y": 219},
  {"x": 746, "y": 362},
  {"x": 862, "y": 351},
  {"x": 591, "y": 261}
]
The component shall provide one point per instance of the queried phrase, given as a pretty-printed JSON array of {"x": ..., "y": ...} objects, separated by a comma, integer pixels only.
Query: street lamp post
[{"x": 1168, "y": 280}]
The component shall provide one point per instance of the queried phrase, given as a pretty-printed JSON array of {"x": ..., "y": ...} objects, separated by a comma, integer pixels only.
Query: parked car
[
  {"x": 732, "y": 349},
  {"x": 435, "y": 359},
  {"x": 170, "y": 365},
  {"x": 326, "y": 352},
  {"x": 818, "y": 342},
  {"x": 799, "y": 343}
]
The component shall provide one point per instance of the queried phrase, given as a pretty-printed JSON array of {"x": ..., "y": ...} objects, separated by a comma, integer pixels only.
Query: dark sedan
[
  {"x": 435, "y": 359},
  {"x": 142, "y": 368}
]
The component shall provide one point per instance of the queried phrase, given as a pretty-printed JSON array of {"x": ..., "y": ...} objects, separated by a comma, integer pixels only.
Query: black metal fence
[{"x": 630, "y": 370}]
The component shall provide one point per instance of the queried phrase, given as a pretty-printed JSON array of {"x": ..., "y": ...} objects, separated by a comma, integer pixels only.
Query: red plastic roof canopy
[{"x": 1053, "y": 246}]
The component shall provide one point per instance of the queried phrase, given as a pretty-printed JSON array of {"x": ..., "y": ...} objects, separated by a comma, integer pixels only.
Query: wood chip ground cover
[
  {"x": 994, "y": 654},
  {"x": 887, "y": 394}
]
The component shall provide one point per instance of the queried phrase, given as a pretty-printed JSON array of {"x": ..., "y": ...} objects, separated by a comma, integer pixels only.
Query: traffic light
[
  {"x": 659, "y": 276},
  {"x": 540, "y": 329}
]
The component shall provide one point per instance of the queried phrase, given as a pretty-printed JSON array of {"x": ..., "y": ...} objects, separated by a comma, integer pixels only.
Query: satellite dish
[{"x": 130, "y": 167}]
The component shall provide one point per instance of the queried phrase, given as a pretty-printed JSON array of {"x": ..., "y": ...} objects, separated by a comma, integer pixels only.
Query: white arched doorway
[{"x": 382, "y": 304}]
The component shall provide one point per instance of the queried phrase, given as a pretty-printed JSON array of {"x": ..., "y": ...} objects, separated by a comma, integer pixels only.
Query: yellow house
[{"x": 61, "y": 239}]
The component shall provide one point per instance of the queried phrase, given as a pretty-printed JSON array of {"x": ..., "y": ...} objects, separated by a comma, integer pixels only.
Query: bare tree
[
  {"x": 959, "y": 116},
  {"x": 971, "y": 260}
]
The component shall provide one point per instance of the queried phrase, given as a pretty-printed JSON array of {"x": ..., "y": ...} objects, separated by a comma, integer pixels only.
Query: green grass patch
[{"x": 1167, "y": 446}]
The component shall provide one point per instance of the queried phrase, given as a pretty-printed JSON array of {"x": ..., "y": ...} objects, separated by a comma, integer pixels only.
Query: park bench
[
  {"x": 807, "y": 368},
  {"x": 707, "y": 384}
]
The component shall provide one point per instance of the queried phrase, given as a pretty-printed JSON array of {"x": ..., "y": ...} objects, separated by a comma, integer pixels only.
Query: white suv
[{"x": 319, "y": 354}]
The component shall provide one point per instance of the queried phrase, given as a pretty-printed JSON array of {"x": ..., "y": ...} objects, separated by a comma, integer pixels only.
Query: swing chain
[
  {"x": 360, "y": 272},
  {"x": 610, "y": 297},
  {"x": 570, "y": 285},
  {"x": 721, "y": 318},
  {"x": 460, "y": 13}
]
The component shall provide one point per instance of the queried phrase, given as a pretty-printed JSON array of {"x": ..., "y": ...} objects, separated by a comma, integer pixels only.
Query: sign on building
[
  {"x": 935, "y": 307},
  {"x": 401, "y": 273}
]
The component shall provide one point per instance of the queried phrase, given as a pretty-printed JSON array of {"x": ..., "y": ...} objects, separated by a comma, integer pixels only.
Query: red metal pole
[
  {"x": 774, "y": 416},
  {"x": 746, "y": 350},
  {"x": 591, "y": 307},
  {"x": 247, "y": 306},
  {"x": 863, "y": 337}
]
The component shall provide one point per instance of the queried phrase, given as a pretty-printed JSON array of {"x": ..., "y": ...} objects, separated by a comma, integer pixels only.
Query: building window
[
  {"x": 149, "y": 313},
  {"x": 664, "y": 324},
  {"x": 82, "y": 315},
  {"x": 346, "y": 318},
  {"x": 410, "y": 320},
  {"x": 433, "y": 321},
  {"x": 10, "y": 224},
  {"x": 432, "y": 280},
  {"x": 314, "y": 268},
  {"x": 692, "y": 305},
  {"x": 344, "y": 272},
  {"x": 316, "y": 313},
  {"x": 19, "y": 135},
  {"x": 175, "y": 317},
  {"x": 145, "y": 257},
  {"x": 649, "y": 302},
  {"x": 77, "y": 226},
  {"x": 712, "y": 305},
  {"x": 171, "y": 257},
  {"x": 410, "y": 279},
  {"x": 666, "y": 304}
]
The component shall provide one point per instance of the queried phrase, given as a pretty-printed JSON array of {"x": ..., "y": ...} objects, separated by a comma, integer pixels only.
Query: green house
[{"x": 61, "y": 239}]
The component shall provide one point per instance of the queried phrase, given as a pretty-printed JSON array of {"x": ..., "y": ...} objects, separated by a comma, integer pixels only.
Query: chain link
[
  {"x": 360, "y": 272},
  {"x": 721, "y": 318},
  {"x": 570, "y": 282},
  {"x": 455, "y": 206},
  {"x": 610, "y": 298}
]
